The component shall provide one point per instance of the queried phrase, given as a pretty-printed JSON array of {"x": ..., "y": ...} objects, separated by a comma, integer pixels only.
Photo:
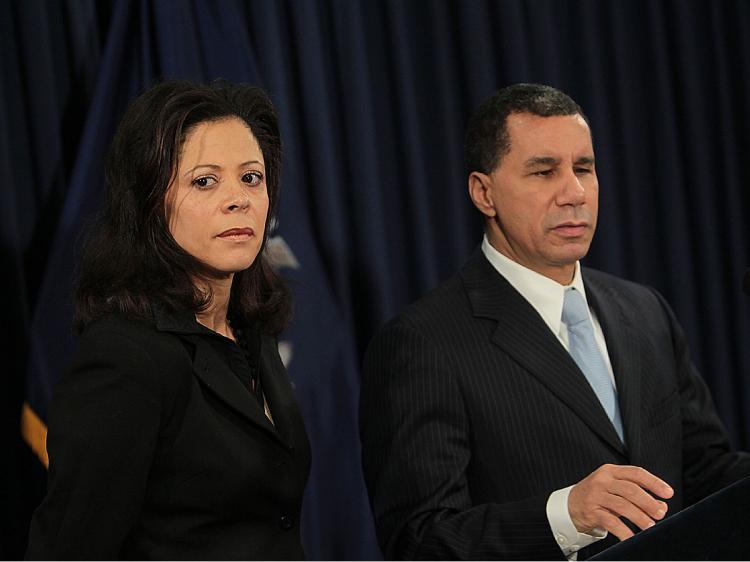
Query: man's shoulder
[
  {"x": 425, "y": 331},
  {"x": 444, "y": 303},
  {"x": 615, "y": 285},
  {"x": 641, "y": 303}
]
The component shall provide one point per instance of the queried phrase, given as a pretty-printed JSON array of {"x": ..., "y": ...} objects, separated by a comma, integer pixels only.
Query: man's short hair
[{"x": 487, "y": 138}]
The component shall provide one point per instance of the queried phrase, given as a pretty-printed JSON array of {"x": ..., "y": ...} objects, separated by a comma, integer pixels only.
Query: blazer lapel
[
  {"x": 277, "y": 389},
  {"x": 213, "y": 372},
  {"x": 623, "y": 346},
  {"x": 219, "y": 378},
  {"x": 524, "y": 336}
]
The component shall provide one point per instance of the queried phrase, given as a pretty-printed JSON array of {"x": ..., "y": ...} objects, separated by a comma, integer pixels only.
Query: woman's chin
[{"x": 228, "y": 269}]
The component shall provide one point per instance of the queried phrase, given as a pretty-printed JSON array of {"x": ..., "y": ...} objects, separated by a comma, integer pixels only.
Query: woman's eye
[
  {"x": 204, "y": 182},
  {"x": 252, "y": 178}
]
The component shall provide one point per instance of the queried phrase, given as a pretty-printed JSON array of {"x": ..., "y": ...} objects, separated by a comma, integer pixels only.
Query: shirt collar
[
  {"x": 544, "y": 294},
  {"x": 177, "y": 321}
]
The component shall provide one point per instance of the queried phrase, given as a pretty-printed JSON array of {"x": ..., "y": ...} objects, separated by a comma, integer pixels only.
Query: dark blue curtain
[{"x": 373, "y": 98}]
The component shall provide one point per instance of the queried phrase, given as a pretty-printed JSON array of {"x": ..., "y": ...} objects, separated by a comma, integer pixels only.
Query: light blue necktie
[{"x": 587, "y": 356}]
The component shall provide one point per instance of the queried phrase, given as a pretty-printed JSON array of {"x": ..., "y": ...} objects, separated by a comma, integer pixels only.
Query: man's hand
[{"x": 612, "y": 491}]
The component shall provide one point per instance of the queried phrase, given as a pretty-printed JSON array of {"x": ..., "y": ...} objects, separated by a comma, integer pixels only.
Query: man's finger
[
  {"x": 636, "y": 495},
  {"x": 643, "y": 478},
  {"x": 612, "y": 523},
  {"x": 623, "y": 508}
]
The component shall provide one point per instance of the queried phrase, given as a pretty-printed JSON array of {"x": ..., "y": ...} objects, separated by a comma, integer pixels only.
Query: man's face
[{"x": 542, "y": 199}]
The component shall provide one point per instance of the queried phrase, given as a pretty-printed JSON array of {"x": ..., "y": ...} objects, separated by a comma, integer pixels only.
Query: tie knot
[{"x": 574, "y": 308}]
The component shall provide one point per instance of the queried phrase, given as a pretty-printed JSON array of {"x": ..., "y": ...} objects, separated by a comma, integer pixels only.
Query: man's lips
[
  {"x": 237, "y": 233},
  {"x": 571, "y": 228}
]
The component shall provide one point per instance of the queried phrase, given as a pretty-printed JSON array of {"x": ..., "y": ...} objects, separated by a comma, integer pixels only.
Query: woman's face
[{"x": 218, "y": 200}]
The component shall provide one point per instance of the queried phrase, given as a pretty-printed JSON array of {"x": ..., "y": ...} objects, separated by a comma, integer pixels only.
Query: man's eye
[
  {"x": 583, "y": 171},
  {"x": 204, "y": 182},
  {"x": 252, "y": 178},
  {"x": 543, "y": 173}
]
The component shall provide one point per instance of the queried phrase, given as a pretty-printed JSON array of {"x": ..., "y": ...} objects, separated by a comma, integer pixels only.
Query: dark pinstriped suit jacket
[{"x": 472, "y": 413}]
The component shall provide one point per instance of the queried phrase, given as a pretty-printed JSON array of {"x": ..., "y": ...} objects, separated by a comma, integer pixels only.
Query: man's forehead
[
  {"x": 531, "y": 122},
  {"x": 551, "y": 137}
]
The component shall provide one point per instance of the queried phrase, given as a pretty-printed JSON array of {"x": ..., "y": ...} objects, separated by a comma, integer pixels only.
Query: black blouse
[{"x": 242, "y": 357}]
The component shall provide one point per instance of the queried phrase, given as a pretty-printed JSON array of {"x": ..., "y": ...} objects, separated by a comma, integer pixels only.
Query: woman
[{"x": 176, "y": 434}]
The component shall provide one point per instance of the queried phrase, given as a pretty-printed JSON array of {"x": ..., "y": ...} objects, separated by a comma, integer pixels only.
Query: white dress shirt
[{"x": 546, "y": 296}]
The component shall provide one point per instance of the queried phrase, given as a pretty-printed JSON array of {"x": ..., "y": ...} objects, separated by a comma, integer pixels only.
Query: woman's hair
[{"x": 132, "y": 261}]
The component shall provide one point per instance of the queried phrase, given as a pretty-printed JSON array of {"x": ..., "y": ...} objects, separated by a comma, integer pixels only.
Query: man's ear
[{"x": 480, "y": 191}]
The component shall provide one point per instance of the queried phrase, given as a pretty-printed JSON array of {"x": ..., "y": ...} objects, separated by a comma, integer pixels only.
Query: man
[{"x": 527, "y": 407}]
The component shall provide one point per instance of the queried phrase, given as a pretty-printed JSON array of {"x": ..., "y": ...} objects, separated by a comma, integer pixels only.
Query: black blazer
[
  {"x": 472, "y": 413},
  {"x": 157, "y": 451}
]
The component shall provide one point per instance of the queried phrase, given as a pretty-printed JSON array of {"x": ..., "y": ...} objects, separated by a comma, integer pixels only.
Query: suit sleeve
[
  {"x": 416, "y": 450},
  {"x": 709, "y": 463},
  {"x": 103, "y": 427}
]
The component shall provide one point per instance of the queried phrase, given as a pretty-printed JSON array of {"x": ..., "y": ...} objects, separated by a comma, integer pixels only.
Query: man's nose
[{"x": 572, "y": 190}]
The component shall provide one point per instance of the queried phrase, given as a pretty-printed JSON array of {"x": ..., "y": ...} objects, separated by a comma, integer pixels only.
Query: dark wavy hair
[
  {"x": 487, "y": 138},
  {"x": 131, "y": 261}
]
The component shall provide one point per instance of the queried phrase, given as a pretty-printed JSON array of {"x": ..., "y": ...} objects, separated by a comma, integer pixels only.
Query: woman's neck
[{"x": 214, "y": 317}]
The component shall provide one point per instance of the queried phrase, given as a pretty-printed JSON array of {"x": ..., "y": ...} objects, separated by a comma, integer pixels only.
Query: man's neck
[{"x": 562, "y": 274}]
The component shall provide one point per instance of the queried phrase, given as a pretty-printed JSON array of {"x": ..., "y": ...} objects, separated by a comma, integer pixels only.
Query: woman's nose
[{"x": 238, "y": 198}]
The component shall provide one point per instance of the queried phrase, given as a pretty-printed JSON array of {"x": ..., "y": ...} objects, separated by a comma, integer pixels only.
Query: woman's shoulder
[
  {"x": 134, "y": 346},
  {"x": 115, "y": 322},
  {"x": 117, "y": 331}
]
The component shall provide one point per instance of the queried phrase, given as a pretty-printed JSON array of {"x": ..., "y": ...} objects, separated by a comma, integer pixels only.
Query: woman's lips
[{"x": 237, "y": 234}]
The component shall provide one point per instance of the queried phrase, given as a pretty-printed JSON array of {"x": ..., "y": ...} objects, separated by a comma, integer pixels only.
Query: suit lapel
[
  {"x": 524, "y": 336},
  {"x": 277, "y": 389},
  {"x": 624, "y": 353},
  {"x": 216, "y": 375},
  {"x": 219, "y": 378}
]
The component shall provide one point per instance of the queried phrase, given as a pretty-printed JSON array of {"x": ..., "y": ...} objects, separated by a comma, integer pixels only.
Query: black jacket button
[{"x": 286, "y": 522}]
